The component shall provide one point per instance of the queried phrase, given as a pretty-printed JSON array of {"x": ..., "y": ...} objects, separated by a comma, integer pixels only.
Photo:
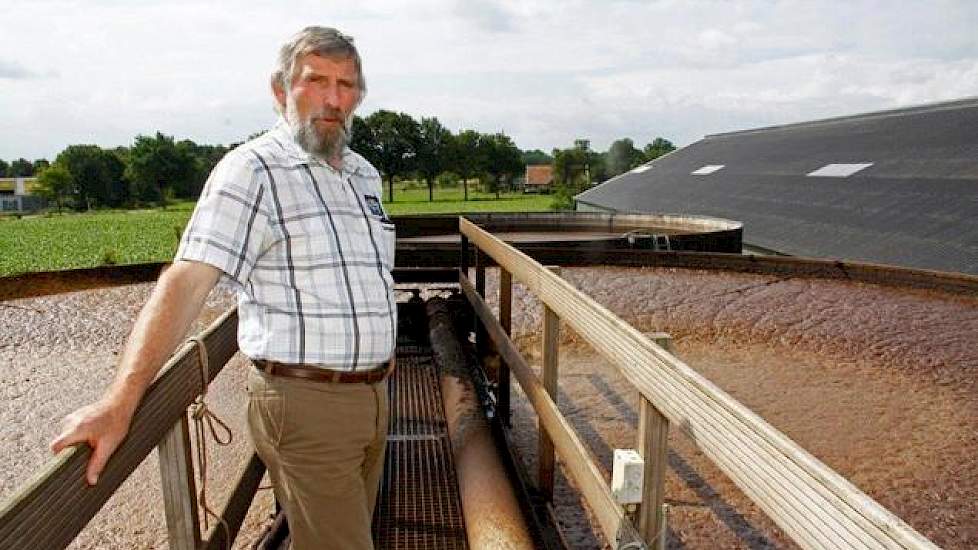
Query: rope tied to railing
[{"x": 202, "y": 415}]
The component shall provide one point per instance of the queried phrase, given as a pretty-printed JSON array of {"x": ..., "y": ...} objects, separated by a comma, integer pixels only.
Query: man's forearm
[
  {"x": 164, "y": 320},
  {"x": 160, "y": 327}
]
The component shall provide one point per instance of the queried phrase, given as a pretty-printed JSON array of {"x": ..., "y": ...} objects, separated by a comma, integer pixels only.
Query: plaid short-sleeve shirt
[{"x": 309, "y": 249}]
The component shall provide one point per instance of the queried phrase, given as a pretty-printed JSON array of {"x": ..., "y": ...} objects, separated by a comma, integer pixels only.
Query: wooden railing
[
  {"x": 814, "y": 505},
  {"x": 51, "y": 509}
]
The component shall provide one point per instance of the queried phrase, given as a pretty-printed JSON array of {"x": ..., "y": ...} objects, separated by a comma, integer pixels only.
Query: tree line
[
  {"x": 157, "y": 169},
  {"x": 578, "y": 167}
]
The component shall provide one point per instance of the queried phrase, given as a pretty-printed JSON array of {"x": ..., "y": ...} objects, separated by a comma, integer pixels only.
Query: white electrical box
[{"x": 627, "y": 477}]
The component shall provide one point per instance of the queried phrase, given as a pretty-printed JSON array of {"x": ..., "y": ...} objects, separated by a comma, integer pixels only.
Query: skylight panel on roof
[
  {"x": 707, "y": 170},
  {"x": 642, "y": 168},
  {"x": 840, "y": 170}
]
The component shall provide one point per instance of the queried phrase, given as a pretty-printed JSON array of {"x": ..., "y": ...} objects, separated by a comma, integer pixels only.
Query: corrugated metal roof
[{"x": 915, "y": 205}]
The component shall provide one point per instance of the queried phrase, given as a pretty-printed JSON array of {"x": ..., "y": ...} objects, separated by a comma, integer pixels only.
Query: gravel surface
[
  {"x": 59, "y": 353},
  {"x": 877, "y": 382}
]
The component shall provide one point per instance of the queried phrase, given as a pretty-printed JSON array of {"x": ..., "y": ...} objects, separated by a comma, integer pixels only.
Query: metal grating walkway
[{"x": 418, "y": 506}]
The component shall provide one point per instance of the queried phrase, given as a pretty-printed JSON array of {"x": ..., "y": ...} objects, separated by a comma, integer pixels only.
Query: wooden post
[
  {"x": 463, "y": 255},
  {"x": 506, "y": 320},
  {"x": 481, "y": 346},
  {"x": 653, "y": 445},
  {"x": 179, "y": 489},
  {"x": 546, "y": 459}
]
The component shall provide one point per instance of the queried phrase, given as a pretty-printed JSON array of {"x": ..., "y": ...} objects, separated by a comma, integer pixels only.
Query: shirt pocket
[{"x": 386, "y": 242}]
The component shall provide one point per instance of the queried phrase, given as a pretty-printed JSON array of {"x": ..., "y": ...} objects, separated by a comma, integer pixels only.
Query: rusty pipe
[{"x": 493, "y": 519}]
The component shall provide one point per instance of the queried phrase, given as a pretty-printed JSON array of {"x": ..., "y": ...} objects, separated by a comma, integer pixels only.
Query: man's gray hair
[{"x": 322, "y": 41}]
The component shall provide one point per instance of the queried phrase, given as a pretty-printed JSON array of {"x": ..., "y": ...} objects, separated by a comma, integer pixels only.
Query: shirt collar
[{"x": 282, "y": 134}]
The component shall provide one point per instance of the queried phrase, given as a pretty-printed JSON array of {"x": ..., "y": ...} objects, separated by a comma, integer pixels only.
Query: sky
[{"x": 544, "y": 72}]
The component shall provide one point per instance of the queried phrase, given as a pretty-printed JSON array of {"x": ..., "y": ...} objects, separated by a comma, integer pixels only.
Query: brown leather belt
[{"x": 320, "y": 374}]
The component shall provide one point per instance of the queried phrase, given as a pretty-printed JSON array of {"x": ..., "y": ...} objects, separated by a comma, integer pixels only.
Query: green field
[
  {"x": 412, "y": 198},
  {"x": 52, "y": 242}
]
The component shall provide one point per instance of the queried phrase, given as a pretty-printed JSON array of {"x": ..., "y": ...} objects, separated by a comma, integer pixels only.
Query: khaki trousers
[{"x": 323, "y": 445}]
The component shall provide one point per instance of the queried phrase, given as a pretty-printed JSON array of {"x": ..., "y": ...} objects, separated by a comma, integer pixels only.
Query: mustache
[{"x": 327, "y": 113}]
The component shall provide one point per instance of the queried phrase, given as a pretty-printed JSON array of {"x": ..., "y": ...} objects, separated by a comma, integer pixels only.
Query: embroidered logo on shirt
[{"x": 373, "y": 203}]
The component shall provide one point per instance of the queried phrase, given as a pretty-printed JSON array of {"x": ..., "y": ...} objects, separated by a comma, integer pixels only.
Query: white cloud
[{"x": 545, "y": 71}]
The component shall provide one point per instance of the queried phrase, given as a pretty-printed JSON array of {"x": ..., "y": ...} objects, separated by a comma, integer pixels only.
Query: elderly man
[{"x": 293, "y": 221}]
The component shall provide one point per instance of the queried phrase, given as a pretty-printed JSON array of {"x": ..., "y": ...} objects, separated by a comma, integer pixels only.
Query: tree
[
  {"x": 623, "y": 156},
  {"x": 574, "y": 170},
  {"x": 535, "y": 157},
  {"x": 395, "y": 137},
  {"x": 362, "y": 139},
  {"x": 40, "y": 164},
  {"x": 55, "y": 184},
  {"x": 97, "y": 175},
  {"x": 657, "y": 148},
  {"x": 196, "y": 157},
  {"x": 466, "y": 157},
  {"x": 20, "y": 168},
  {"x": 3, "y": 168},
  {"x": 432, "y": 152},
  {"x": 503, "y": 160},
  {"x": 158, "y": 167}
]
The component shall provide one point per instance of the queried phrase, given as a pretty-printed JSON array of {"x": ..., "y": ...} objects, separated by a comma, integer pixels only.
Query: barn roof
[{"x": 896, "y": 187}]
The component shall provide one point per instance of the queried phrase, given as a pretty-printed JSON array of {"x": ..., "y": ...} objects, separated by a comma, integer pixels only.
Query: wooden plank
[
  {"x": 816, "y": 506},
  {"x": 463, "y": 255},
  {"x": 237, "y": 505},
  {"x": 653, "y": 445},
  {"x": 50, "y": 510},
  {"x": 480, "y": 287},
  {"x": 503, "y": 395},
  {"x": 506, "y": 300},
  {"x": 425, "y": 274},
  {"x": 574, "y": 455},
  {"x": 546, "y": 458},
  {"x": 179, "y": 489},
  {"x": 653, "y": 435}
]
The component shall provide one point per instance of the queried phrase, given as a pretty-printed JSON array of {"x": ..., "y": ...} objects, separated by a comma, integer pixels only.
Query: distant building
[
  {"x": 17, "y": 195},
  {"x": 539, "y": 178},
  {"x": 896, "y": 187}
]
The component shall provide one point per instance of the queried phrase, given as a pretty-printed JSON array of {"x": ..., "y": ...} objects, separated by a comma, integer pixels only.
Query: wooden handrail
[
  {"x": 580, "y": 466},
  {"x": 55, "y": 505},
  {"x": 814, "y": 505}
]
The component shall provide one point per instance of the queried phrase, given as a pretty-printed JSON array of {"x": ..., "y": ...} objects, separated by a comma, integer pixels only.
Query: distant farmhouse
[
  {"x": 16, "y": 195},
  {"x": 539, "y": 178},
  {"x": 895, "y": 187}
]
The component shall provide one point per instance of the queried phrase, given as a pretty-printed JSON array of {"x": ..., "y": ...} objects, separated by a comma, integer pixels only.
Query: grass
[
  {"x": 51, "y": 242},
  {"x": 412, "y": 198}
]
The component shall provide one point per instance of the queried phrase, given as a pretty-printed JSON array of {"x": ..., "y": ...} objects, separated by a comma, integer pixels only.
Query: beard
[{"x": 327, "y": 143}]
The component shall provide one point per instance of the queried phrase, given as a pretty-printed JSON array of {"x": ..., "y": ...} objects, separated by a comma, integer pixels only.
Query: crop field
[
  {"x": 42, "y": 243},
  {"x": 51, "y": 242}
]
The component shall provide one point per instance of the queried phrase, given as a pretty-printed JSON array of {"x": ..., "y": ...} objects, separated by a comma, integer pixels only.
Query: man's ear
[{"x": 279, "y": 92}]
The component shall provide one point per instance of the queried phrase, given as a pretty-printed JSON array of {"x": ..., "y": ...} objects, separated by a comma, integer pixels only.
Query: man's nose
[{"x": 331, "y": 96}]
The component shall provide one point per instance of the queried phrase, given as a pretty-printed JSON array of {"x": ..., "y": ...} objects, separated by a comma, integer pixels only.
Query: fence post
[
  {"x": 179, "y": 489},
  {"x": 463, "y": 255},
  {"x": 481, "y": 338},
  {"x": 653, "y": 445},
  {"x": 546, "y": 457},
  {"x": 506, "y": 320}
]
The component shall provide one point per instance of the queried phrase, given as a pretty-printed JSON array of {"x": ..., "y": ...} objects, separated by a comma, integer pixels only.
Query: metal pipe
[{"x": 493, "y": 518}]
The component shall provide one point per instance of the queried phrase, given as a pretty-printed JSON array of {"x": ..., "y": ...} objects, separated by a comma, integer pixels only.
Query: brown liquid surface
[{"x": 877, "y": 382}]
